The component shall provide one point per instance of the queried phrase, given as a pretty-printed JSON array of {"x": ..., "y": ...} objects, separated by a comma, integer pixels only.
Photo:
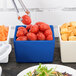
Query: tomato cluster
[{"x": 38, "y": 31}]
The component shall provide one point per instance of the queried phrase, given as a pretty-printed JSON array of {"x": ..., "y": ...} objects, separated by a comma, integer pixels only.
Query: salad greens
[{"x": 44, "y": 71}]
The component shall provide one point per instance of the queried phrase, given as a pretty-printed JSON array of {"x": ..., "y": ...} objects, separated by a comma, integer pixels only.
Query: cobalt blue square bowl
[{"x": 34, "y": 51}]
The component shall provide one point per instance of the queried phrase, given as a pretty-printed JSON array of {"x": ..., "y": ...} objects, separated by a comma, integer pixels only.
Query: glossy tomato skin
[
  {"x": 31, "y": 36},
  {"x": 39, "y": 23},
  {"x": 28, "y": 26},
  {"x": 25, "y": 31},
  {"x": 26, "y": 20},
  {"x": 44, "y": 27},
  {"x": 40, "y": 36},
  {"x": 19, "y": 33},
  {"x": 48, "y": 32},
  {"x": 21, "y": 38},
  {"x": 34, "y": 29},
  {"x": 22, "y": 29},
  {"x": 49, "y": 37}
]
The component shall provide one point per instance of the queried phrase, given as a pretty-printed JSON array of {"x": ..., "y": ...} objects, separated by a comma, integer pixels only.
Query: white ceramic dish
[
  {"x": 5, "y": 50},
  {"x": 59, "y": 68},
  {"x": 6, "y": 57},
  {"x": 0, "y": 70},
  {"x": 68, "y": 50}
]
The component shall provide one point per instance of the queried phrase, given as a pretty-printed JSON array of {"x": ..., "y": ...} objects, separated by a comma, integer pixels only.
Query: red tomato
[
  {"x": 23, "y": 29},
  {"x": 39, "y": 23},
  {"x": 48, "y": 32},
  {"x": 44, "y": 27},
  {"x": 26, "y": 20},
  {"x": 20, "y": 28},
  {"x": 28, "y": 26},
  {"x": 31, "y": 36},
  {"x": 40, "y": 36},
  {"x": 21, "y": 38},
  {"x": 19, "y": 33},
  {"x": 49, "y": 37},
  {"x": 34, "y": 29}
]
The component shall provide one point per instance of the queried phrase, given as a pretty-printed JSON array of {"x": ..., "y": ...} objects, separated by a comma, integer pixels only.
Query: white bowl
[
  {"x": 4, "y": 53},
  {"x": 68, "y": 50},
  {"x": 6, "y": 58},
  {"x": 0, "y": 70}
]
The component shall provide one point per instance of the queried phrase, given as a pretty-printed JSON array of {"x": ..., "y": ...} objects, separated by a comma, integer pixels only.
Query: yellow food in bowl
[
  {"x": 72, "y": 38},
  {"x": 68, "y": 31}
]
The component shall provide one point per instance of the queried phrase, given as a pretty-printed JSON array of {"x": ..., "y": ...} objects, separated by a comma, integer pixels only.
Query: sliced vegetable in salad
[{"x": 44, "y": 71}]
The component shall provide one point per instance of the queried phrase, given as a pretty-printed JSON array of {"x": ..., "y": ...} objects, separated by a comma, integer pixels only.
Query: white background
[{"x": 53, "y": 12}]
